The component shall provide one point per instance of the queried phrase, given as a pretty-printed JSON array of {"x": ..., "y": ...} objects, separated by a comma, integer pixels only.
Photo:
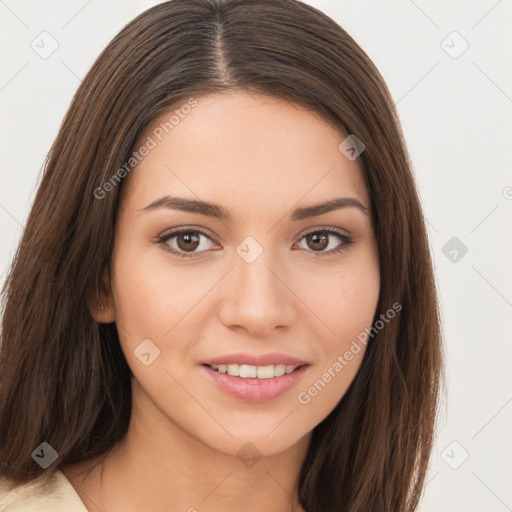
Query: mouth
[{"x": 251, "y": 383}]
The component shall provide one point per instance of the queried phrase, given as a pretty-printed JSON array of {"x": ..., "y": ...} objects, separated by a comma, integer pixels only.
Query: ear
[{"x": 103, "y": 310}]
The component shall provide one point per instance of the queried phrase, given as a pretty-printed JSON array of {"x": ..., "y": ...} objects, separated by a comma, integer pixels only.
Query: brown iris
[
  {"x": 316, "y": 238},
  {"x": 190, "y": 241}
]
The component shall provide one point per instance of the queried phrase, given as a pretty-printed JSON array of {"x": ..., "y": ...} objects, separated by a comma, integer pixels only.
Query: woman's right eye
[{"x": 184, "y": 242}]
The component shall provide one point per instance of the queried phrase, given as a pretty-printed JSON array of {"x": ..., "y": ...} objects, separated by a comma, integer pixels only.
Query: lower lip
[{"x": 255, "y": 390}]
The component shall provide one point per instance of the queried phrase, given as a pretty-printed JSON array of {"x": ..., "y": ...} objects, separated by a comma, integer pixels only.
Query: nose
[{"x": 258, "y": 297}]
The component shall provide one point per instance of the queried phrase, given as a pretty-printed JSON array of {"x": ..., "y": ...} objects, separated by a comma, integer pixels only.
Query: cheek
[
  {"x": 344, "y": 307},
  {"x": 141, "y": 305},
  {"x": 356, "y": 304},
  {"x": 151, "y": 294},
  {"x": 155, "y": 302},
  {"x": 343, "y": 302}
]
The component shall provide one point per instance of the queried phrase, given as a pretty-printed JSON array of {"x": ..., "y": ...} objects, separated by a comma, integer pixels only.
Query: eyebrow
[{"x": 217, "y": 211}]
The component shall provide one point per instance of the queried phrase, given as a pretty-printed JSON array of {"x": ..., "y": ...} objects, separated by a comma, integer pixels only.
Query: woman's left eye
[
  {"x": 320, "y": 240},
  {"x": 187, "y": 242}
]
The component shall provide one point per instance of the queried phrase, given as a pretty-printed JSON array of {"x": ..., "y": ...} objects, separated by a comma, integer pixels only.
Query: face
[{"x": 257, "y": 285}]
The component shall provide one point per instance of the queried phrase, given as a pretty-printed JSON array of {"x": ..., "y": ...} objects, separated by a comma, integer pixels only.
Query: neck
[{"x": 160, "y": 467}]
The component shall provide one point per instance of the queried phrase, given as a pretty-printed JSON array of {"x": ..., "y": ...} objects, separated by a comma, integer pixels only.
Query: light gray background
[{"x": 456, "y": 115}]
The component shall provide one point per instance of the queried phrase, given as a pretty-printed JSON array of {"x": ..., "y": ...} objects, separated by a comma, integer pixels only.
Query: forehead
[{"x": 244, "y": 148}]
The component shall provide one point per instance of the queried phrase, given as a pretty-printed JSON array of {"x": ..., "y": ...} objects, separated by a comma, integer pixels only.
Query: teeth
[
  {"x": 265, "y": 372},
  {"x": 233, "y": 369},
  {"x": 247, "y": 371},
  {"x": 279, "y": 369}
]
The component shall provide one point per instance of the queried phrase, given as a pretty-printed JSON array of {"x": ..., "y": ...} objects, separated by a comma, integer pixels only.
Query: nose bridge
[
  {"x": 257, "y": 298},
  {"x": 253, "y": 270}
]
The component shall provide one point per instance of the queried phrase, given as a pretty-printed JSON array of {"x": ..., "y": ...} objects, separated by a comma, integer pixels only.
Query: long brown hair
[{"x": 63, "y": 377}]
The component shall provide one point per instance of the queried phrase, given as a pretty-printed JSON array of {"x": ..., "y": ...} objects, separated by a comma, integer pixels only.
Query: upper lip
[{"x": 270, "y": 358}]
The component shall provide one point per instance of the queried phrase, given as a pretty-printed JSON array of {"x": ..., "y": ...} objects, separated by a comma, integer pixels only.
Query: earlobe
[
  {"x": 103, "y": 310},
  {"x": 104, "y": 313}
]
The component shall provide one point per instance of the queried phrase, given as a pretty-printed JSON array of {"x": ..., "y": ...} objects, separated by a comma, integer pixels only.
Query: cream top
[{"x": 55, "y": 495}]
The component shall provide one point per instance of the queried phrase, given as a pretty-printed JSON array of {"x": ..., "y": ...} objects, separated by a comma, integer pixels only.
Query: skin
[{"x": 259, "y": 157}]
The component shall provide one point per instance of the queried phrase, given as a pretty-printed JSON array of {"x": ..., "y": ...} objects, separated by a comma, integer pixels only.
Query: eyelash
[{"x": 163, "y": 239}]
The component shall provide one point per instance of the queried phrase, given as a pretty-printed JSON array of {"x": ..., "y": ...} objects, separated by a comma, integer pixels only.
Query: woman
[{"x": 224, "y": 294}]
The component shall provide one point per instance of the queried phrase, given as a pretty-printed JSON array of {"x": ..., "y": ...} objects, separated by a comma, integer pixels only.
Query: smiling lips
[
  {"x": 247, "y": 366},
  {"x": 255, "y": 378}
]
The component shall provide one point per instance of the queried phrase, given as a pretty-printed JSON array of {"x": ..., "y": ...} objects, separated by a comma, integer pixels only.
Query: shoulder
[{"x": 55, "y": 494}]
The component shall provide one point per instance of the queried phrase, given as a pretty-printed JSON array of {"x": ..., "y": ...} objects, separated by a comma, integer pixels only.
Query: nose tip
[{"x": 256, "y": 298}]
